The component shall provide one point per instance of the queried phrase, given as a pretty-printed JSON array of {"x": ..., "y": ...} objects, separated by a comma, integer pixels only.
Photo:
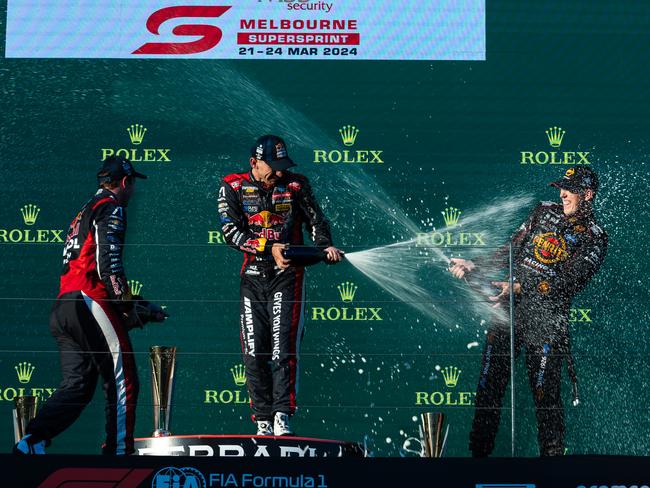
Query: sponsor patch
[{"x": 283, "y": 207}]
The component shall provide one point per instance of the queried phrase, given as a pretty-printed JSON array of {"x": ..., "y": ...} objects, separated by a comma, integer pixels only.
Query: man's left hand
[
  {"x": 334, "y": 255},
  {"x": 505, "y": 292}
]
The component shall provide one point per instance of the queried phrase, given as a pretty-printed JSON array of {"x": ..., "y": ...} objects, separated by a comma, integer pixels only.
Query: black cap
[
  {"x": 577, "y": 180},
  {"x": 114, "y": 168},
  {"x": 273, "y": 151}
]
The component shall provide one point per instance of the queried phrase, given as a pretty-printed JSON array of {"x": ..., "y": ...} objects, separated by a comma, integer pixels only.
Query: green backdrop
[{"x": 452, "y": 134}]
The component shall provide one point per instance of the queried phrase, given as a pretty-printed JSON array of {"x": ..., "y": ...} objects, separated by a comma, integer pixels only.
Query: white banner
[{"x": 247, "y": 29}]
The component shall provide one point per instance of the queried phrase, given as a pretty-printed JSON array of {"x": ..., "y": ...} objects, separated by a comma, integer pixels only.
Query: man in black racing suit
[
  {"x": 262, "y": 212},
  {"x": 91, "y": 318},
  {"x": 557, "y": 251}
]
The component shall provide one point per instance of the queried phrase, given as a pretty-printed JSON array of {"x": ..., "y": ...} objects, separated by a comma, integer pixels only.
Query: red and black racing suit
[
  {"x": 271, "y": 327},
  {"x": 88, "y": 324},
  {"x": 555, "y": 256}
]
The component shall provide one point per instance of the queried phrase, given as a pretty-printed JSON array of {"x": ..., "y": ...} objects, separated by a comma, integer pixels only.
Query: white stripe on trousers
[
  {"x": 120, "y": 382},
  {"x": 301, "y": 325}
]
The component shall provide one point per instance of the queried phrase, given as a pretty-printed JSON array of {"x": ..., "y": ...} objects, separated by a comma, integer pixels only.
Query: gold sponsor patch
[
  {"x": 544, "y": 287},
  {"x": 283, "y": 207}
]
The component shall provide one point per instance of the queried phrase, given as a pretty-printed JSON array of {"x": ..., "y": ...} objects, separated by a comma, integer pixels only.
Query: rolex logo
[
  {"x": 347, "y": 291},
  {"x": 136, "y": 133},
  {"x": 348, "y": 134},
  {"x": 135, "y": 286},
  {"x": 555, "y": 135},
  {"x": 451, "y": 216},
  {"x": 30, "y": 213},
  {"x": 24, "y": 371},
  {"x": 451, "y": 374},
  {"x": 138, "y": 154},
  {"x": 238, "y": 374}
]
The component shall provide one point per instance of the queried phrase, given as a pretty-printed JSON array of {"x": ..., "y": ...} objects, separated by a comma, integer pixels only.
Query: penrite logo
[
  {"x": 349, "y": 135},
  {"x": 172, "y": 477},
  {"x": 30, "y": 213},
  {"x": 226, "y": 396},
  {"x": 347, "y": 291},
  {"x": 134, "y": 154},
  {"x": 24, "y": 371},
  {"x": 105, "y": 477},
  {"x": 550, "y": 248},
  {"x": 450, "y": 397},
  {"x": 555, "y": 136},
  {"x": 436, "y": 238},
  {"x": 210, "y": 35}
]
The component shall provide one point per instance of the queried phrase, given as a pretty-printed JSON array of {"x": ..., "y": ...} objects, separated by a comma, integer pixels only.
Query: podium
[{"x": 239, "y": 446}]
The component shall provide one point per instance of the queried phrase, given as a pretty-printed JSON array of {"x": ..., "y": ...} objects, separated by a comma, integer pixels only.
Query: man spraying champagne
[{"x": 557, "y": 251}]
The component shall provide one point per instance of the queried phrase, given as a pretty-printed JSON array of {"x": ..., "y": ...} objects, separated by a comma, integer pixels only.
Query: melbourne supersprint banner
[{"x": 254, "y": 29}]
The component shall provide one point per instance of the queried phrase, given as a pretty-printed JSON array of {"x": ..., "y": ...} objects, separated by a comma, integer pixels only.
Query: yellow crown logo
[
  {"x": 451, "y": 374},
  {"x": 135, "y": 287},
  {"x": 451, "y": 215},
  {"x": 555, "y": 135},
  {"x": 349, "y": 134},
  {"x": 136, "y": 133},
  {"x": 347, "y": 291},
  {"x": 24, "y": 371},
  {"x": 30, "y": 213},
  {"x": 238, "y": 374}
]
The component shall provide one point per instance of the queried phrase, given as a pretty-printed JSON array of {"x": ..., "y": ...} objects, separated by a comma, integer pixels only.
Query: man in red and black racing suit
[
  {"x": 262, "y": 212},
  {"x": 557, "y": 251},
  {"x": 91, "y": 318}
]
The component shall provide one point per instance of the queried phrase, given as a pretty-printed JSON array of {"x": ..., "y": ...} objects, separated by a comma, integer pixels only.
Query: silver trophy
[
  {"x": 25, "y": 408},
  {"x": 163, "y": 362},
  {"x": 431, "y": 427}
]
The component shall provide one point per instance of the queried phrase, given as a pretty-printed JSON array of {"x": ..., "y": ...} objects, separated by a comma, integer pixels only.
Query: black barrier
[{"x": 172, "y": 472}]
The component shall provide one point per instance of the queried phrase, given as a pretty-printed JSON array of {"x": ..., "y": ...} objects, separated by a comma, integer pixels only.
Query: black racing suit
[
  {"x": 88, "y": 324},
  {"x": 272, "y": 300},
  {"x": 555, "y": 256}
]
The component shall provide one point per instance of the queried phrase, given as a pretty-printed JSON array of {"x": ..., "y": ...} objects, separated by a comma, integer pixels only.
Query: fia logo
[{"x": 172, "y": 477}]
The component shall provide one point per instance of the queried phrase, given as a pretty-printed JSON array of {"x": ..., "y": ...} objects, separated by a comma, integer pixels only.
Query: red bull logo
[{"x": 265, "y": 219}]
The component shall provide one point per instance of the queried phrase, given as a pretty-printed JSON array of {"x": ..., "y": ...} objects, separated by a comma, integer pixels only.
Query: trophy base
[{"x": 246, "y": 446}]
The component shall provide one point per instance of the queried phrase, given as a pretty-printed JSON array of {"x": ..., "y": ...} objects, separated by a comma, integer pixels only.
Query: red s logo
[{"x": 211, "y": 35}]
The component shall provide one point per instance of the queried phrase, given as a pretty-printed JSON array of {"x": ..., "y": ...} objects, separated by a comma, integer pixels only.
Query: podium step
[{"x": 246, "y": 446}]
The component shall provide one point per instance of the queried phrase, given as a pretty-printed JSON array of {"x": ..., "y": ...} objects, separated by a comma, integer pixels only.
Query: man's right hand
[
  {"x": 280, "y": 260},
  {"x": 460, "y": 267}
]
